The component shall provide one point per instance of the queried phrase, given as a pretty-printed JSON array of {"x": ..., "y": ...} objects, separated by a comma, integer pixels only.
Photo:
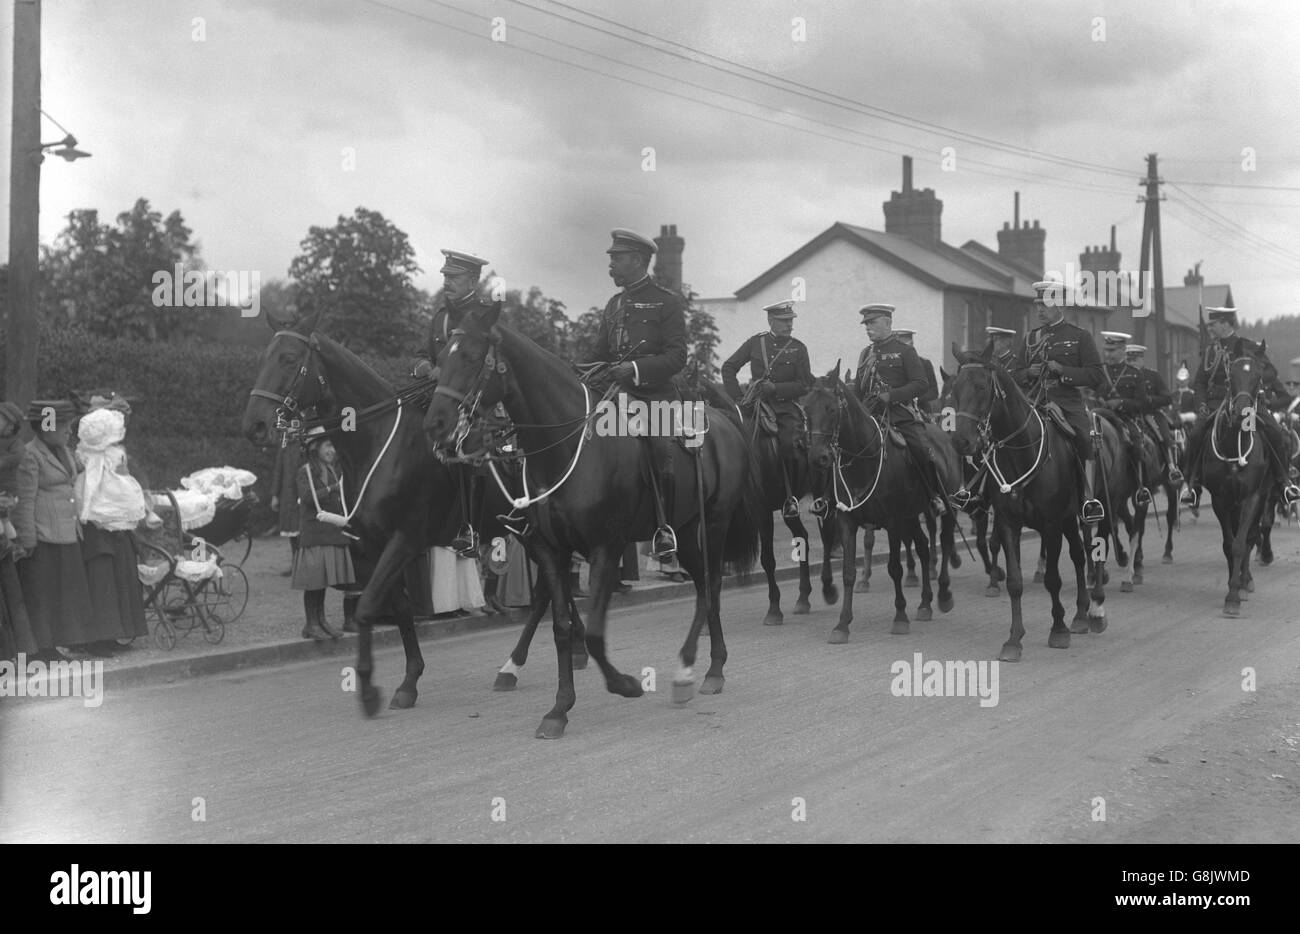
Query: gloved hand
[
  {"x": 623, "y": 373},
  {"x": 767, "y": 389},
  {"x": 1036, "y": 370},
  {"x": 1054, "y": 368},
  {"x": 883, "y": 396},
  {"x": 423, "y": 369}
]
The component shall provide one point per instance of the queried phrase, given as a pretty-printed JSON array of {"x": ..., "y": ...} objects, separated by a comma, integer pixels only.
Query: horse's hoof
[
  {"x": 1038, "y": 577},
  {"x": 683, "y": 691},
  {"x": 1080, "y": 625},
  {"x": 1096, "y": 624},
  {"x": 838, "y": 637},
  {"x": 1167, "y": 559},
  {"x": 999, "y": 574},
  {"x": 712, "y": 684},
  {"x": 773, "y": 618},
  {"x": 863, "y": 585},
  {"x": 402, "y": 700},
  {"x": 1137, "y": 577},
  {"x": 625, "y": 686},
  {"x": 580, "y": 662},
  {"x": 992, "y": 590},
  {"x": 1009, "y": 653},
  {"x": 954, "y": 561},
  {"x": 924, "y": 614},
  {"x": 505, "y": 682},
  {"x": 1058, "y": 639},
  {"x": 371, "y": 700},
  {"x": 551, "y": 728},
  {"x": 901, "y": 627},
  {"x": 1232, "y": 610},
  {"x": 1125, "y": 586},
  {"x": 831, "y": 595},
  {"x": 802, "y": 607},
  {"x": 911, "y": 581},
  {"x": 1249, "y": 587},
  {"x": 945, "y": 603},
  {"x": 1265, "y": 561}
]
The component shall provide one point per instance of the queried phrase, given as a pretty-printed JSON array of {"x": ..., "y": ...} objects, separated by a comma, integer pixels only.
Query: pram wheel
[
  {"x": 214, "y": 630},
  {"x": 163, "y": 635},
  {"x": 227, "y": 596}
]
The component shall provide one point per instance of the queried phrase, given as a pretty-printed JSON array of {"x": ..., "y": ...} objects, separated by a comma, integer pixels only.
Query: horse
[
  {"x": 774, "y": 477},
  {"x": 1236, "y": 472},
  {"x": 987, "y": 546},
  {"x": 853, "y": 446},
  {"x": 593, "y": 494},
  {"x": 1034, "y": 483},
  {"x": 408, "y": 501}
]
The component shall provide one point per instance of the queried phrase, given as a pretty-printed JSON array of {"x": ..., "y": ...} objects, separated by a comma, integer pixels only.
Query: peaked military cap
[
  {"x": 877, "y": 310},
  {"x": 628, "y": 241},
  {"x": 1113, "y": 338},
  {"x": 1135, "y": 348},
  {"x": 1050, "y": 292},
  {"x": 999, "y": 332},
  {"x": 457, "y": 261},
  {"x": 1222, "y": 314},
  {"x": 781, "y": 310},
  {"x": 904, "y": 332}
]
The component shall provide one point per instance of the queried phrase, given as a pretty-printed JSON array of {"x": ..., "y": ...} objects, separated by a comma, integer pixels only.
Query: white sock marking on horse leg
[
  {"x": 685, "y": 676},
  {"x": 1096, "y": 610},
  {"x": 510, "y": 668}
]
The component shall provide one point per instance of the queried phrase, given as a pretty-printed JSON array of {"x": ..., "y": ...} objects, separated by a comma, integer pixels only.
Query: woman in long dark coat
[
  {"x": 50, "y": 568},
  {"x": 322, "y": 559}
]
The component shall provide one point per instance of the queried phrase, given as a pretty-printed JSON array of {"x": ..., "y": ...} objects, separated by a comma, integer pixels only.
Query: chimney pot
[{"x": 1017, "y": 211}]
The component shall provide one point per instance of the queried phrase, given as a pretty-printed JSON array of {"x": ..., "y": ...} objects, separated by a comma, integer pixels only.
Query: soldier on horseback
[
  {"x": 1212, "y": 389},
  {"x": 890, "y": 377},
  {"x": 781, "y": 373},
  {"x": 1059, "y": 359},
  {"x": 927, "y": 399},
  {"x": 1124, "y": 394},
  {"x": 1004, "y": 346},
  {"x": 643, "y": 335},
  {"x": 460, "y": 285},
  {"x": 1156, "y": 418}
]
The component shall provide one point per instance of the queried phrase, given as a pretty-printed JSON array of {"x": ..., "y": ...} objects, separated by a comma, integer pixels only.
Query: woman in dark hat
[
  {"x": 322, "y": 559},
  {"x": 50, "y": 566}
]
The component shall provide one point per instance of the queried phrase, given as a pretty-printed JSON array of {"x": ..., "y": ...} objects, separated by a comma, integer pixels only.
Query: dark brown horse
[
  {"x": 586, "y": 489},
  {"x": 873, "y": 483},
  {"x": 1034, "y": 482},
  {"x": 1236, "y": 472}
]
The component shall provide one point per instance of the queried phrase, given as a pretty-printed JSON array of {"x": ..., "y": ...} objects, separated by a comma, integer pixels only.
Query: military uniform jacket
[
  {"x": 446, "y": 318},
  {"x": 1073, "y": 348},
  {"x": 783, "y": 360},
  {"x": 1124, "y": 382},
  {"x": 1211, "y": 382},
  {"x": 645, "y": 323},
  {"x": 1158, "y": 396},
  {"x": 893, "y": 366},
  {"x": 931, "y": 394}
]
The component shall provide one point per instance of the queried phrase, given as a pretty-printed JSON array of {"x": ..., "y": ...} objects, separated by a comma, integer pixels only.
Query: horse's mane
[{"x": 367, "y": 377}]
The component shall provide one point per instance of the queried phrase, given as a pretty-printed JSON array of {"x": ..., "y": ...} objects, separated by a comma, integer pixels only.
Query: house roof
[
  {"x": 941, "y": 266},
  {"x": 1182, "y": 302},
  {"x": 998, "y": 261}
]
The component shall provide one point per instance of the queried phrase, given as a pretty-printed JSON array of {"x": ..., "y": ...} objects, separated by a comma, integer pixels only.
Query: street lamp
[{"x": 70, "y": 152}]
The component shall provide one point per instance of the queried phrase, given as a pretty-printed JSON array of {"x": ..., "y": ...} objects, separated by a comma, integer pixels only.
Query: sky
[{"x": 768, "y": 121}]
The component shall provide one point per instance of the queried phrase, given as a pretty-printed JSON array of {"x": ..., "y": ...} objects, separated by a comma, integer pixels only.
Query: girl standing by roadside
[{"x": 322, "y": 559}]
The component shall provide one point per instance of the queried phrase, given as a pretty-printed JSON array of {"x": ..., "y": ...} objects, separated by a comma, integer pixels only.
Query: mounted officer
[
  {"x": 461, "y": 273},
  {"x": 1212, "y": 388},
  {"x": 781, "y": 373},
  {"x": 1003, "y": 351},
  {"x": 1156, "y": 417},
  {"x": 460, "y": 285},
  {"x": 890, "y": 376},
  {"x": 1061, "y": 360},
  {"x": 1124, "y": 393},
  {"x": 643, "y": 335},
  {"x": 926, "y": 400}
]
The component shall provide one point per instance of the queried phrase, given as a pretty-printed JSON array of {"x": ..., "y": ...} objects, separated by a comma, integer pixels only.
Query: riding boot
[
  {"x": 313, "y": 602},
  {"x": 350, "y": 602},
  {"x": 1142, "y": 496},
  {"x": 663, "y": 545},
  {"x": 935, "y": 486},
  {"x": 1092, "y": 510},
  {"x": 1175, "y": 475}
]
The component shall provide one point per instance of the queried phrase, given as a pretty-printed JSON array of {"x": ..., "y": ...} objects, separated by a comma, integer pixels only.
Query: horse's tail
[{"x": 740, "y": 549}]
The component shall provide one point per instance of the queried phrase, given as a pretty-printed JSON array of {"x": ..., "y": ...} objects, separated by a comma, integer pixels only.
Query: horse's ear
[
  {"x": 1263, "y": 348},
  {"x": 835, "y": 373},
  {"x": 988, "y": 353},
  {"x": 943, "y": 374}
]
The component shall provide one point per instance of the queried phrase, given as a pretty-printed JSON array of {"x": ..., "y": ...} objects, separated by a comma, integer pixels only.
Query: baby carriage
[{"x": 188, "y": 582}]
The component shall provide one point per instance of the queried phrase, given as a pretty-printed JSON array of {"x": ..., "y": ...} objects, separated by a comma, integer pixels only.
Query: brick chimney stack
[
  {"x": 668, "y": 261},
  {"x": 1023, "y": 244},
  {"x": 913, "y": 213},
  {"x": 1099, "y": 259},
  {"x": 1193, "y": 277}
]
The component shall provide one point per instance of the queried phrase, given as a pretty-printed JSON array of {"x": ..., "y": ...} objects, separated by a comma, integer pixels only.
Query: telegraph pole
[
  {"x": 24, "y": 206},
  {"x": 1151, "y": 250}
]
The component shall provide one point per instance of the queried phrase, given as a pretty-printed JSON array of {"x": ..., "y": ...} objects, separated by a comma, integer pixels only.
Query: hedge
[{"x": 187, "y": 399}]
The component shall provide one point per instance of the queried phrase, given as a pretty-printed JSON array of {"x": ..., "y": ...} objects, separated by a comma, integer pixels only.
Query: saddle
[
  {"x": 1054, "y": 412},
  {"x": 766, "y": 418}
]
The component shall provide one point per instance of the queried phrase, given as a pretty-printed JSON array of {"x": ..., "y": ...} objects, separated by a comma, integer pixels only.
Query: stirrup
[
  {"x": 516, "y": 525},
  {"x": 1092, "y": 511},
  {"x": 664, "y": 544},
  {"x": 1188, "y": 497},
  {"x": 1142, "y": 497},
  {"x": 790, "y": 508},
  {"x": 820, "y": 508},
  {"x": 963, "y": 499},
  {"x": 465, "y": 543},
  {"x": 1175, "y": 475},
  {"x": 1290, "y": 493}
]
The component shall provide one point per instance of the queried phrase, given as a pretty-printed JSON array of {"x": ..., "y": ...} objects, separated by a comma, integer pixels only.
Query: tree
[
  {"x": 358, "y": 274},
  {"x": 701, "y": 337},
  {"x": 102, "y": 276}
]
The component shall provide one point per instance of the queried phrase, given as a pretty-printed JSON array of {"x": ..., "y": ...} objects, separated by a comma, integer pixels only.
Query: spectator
[
  {"x": 284, "y": 495},
  {"x": 322, "y": 559},
  {"x": 457, "y": 588},
  {"x": 51, "y": 571},
  {"x": 111, "y": 503},
  {"x": 12, "y": 452},
  {"x": 15, "y": 629}
]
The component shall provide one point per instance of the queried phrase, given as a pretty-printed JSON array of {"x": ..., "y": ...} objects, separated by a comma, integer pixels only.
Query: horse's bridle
[
  {"x": 989, "y": 446},
  {"x": 288, "y": 412},
  {"x": 467, "y": 403}
]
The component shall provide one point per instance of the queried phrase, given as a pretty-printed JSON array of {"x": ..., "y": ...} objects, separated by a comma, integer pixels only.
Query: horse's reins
[
  {"x": 838, "y": 471},
  {"x": 985, "y": 426}
]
